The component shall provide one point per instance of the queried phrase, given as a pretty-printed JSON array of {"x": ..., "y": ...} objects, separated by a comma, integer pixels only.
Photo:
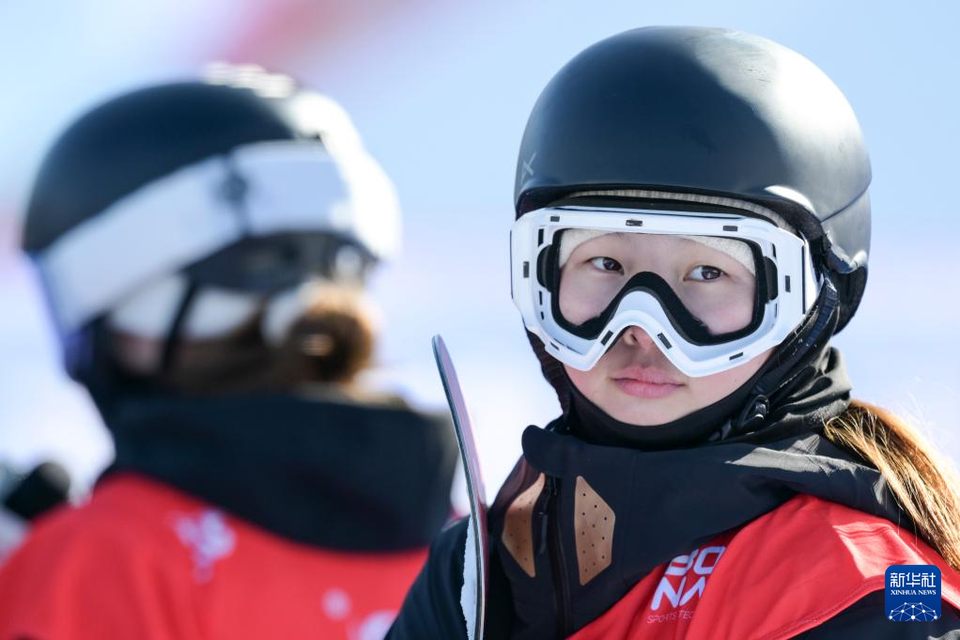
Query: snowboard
[{"x": 473, "y": 597}]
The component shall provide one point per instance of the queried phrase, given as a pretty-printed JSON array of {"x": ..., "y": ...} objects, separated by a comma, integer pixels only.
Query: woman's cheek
[
  {"x": 587, "y": 382},
  {"x": 731, "y": 313},
  {"x": 710, "y": 389},
  {"x": 734, "y": 319},
  {"x": 577, "y": 303}
]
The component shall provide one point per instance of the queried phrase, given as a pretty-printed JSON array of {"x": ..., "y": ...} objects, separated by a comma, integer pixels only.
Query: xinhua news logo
[{"x": 912, "y": 592}]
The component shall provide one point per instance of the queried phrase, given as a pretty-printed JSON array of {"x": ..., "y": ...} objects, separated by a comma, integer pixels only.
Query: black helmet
[
  {"x": 712, "y": 112},
  {"x": 244, "y": 183}
]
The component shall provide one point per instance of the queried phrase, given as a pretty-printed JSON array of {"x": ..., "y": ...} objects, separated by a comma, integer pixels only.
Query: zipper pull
[
  {"x": 544, "y": 513},
  {"x": 543, "y": 533}
]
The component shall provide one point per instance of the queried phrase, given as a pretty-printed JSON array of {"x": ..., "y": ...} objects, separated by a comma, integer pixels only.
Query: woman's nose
[{"x": 637, "y": 337}]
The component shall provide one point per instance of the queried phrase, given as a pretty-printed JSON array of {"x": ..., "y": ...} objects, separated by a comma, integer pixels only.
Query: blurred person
[
  {"x": 204, "y": 247},
  {"x": 692, "y": 228}
]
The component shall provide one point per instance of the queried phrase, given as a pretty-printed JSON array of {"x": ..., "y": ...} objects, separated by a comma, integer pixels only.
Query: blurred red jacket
[{"x": 142, "y": 560}]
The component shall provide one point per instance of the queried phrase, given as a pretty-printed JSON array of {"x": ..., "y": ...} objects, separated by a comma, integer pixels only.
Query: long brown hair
[{"x": 923, "y": 482}]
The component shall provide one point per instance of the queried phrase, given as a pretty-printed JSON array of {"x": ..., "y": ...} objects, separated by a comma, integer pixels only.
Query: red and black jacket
[
  {"x": 255, "y": 517},
  {"x": 793, "y": 534}
]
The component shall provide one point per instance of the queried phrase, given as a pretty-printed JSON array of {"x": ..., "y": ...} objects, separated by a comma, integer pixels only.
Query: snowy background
[{"x": 441, "y": 91}]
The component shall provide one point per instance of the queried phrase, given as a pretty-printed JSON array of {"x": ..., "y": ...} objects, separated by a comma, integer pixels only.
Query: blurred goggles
[{"x": 712, "y": 289}]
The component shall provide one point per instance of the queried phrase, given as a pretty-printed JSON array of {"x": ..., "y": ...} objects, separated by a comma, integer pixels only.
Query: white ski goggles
[{"x": 713, "y": 289}]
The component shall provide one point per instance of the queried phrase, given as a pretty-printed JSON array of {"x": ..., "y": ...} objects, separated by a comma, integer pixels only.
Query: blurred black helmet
[{"x": 177, "y": 209}]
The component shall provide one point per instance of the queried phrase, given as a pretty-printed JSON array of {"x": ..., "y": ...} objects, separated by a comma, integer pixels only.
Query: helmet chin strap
[{"x": 172, "y": 340}]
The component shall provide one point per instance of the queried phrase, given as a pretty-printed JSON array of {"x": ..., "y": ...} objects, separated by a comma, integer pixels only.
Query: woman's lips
[{"x": 643, "y": 382}]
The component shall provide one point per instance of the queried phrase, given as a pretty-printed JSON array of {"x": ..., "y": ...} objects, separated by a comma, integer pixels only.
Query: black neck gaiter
[{"x": 329, "y": 472}]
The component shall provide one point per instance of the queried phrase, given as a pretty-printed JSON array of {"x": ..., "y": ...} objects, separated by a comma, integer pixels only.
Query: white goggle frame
[{"x": 796, "y": 285}]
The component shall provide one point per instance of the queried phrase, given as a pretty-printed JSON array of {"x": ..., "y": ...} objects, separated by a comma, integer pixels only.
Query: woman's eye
[
  {"x": 607, "y": 264},
  {"x": 705, "y": 272}
]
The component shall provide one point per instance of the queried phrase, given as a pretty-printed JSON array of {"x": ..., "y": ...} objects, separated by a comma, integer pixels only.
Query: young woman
[
  {"x": 692, "y": 228},
  {"x": 204, "y": 247}
]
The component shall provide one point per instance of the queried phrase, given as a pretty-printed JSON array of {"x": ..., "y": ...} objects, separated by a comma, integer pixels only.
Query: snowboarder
[
  {"x": 204, "y": 247},
  {"x": 693, "y": 226}
]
